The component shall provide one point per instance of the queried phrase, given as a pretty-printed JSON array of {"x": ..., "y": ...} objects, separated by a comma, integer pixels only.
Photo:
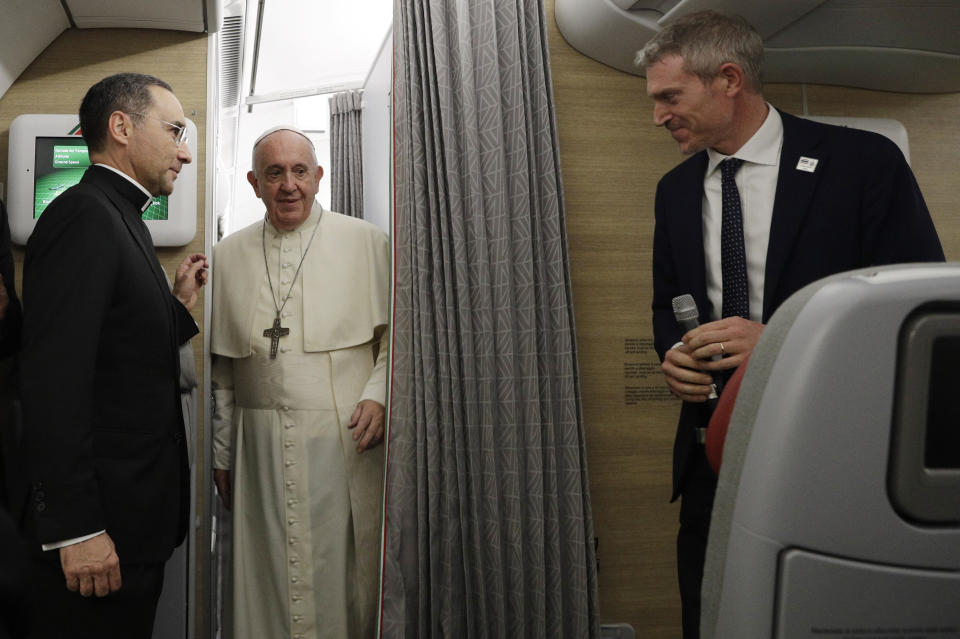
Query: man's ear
[
  {"x": 732, "y": 76},
  {"x": 119, "y": 127},
  {"x": 252, "y": 179}
]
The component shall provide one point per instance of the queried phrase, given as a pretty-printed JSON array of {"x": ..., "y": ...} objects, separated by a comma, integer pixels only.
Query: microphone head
[{"x": 685, "y": 308}]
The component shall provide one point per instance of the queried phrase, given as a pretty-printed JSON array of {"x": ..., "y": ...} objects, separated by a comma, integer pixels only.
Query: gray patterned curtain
[
  {"x": 488, "y": 529},
  {"x": 346, "y": 151}
]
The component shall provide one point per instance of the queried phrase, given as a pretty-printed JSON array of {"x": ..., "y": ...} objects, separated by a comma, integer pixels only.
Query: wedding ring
[{"x": 723, "y": 353}]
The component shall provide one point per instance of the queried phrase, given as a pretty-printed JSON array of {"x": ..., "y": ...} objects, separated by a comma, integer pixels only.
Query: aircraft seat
[{"x": 837, "y": 511}]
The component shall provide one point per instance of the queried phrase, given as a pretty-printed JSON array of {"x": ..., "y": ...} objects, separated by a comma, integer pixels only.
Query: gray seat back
[{"x": 827, "y": 517}]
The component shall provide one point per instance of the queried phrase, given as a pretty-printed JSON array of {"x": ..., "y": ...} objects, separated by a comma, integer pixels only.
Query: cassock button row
[
  {"x": 294, "y": 561},
  {"x": 288, "y": 426},
  {"x": 286, "y": 249},
  {"x": 291, "y": 521},
  {"x": 297, "y": 619},
  {"x": 296, "y": 598},
  {"x": 289, "y": 444},
  {"x": 287, "y": 314},
  {"x": 291, "y": 483},
  {"x": 286, "y": 265},
  {"x": 291, "y": 503},
  {"x": 294, "y": 580},
  {"x": 289, "y": 463},
  {"x": 284, "y": 349},
  {"x": 285, "y": 408},
  {"x": 293, "y": 540},
  {"x": 284, "y": 281}
]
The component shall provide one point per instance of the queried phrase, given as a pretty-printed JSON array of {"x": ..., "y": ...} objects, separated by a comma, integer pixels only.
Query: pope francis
[{"x": 300, "y": 308}]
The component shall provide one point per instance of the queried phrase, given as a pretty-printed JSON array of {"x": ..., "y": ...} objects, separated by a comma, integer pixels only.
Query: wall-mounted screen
[{"x": 48, "y": 155}]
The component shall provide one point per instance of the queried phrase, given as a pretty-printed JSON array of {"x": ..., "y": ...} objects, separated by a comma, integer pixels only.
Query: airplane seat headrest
[{"x": 828, "y": 489}]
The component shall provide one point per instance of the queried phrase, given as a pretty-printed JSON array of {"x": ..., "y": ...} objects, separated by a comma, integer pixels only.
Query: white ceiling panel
[
  {"x": 181, "y": 15},
  {"x": 320, "y": 43}
]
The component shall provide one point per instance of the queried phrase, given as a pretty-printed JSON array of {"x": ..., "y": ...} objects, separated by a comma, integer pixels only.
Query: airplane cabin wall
[
  {"x": 56, "y": 81},
  {"x": 612, "y": 157},
  {"x": 377, "y": 129}
]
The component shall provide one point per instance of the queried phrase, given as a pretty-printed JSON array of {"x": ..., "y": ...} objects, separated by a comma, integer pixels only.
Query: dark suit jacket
[
  {"x": 11, "y": 492},
  {"x": 10, "y": 324},
  {"x": 13, "y": 567},
  {"x": 860, "y": 207},
  {"x": 103, "y": 430}
]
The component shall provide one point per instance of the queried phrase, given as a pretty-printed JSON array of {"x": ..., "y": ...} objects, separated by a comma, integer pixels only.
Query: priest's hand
[
  {"x": 191, "y": 276},
  {"x": 221, "y": 478},
  {"x": 91, "y": 566},
  {"x": 367, "y": 424}
]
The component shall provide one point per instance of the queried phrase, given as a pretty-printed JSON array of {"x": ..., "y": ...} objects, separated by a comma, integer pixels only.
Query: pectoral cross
[{"x": 275, "y": 334}]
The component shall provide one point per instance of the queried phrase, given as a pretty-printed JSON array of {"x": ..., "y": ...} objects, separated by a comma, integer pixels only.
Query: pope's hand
[
  {"x": 367, "y": 424},
  {"x": 221, "y": 478}
]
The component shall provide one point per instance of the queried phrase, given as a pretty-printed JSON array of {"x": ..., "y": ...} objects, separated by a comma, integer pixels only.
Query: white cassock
[{"x": 306, "y": 509}]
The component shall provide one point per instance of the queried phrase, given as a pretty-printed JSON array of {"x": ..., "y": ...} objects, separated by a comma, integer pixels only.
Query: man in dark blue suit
[
  {"x": 766, "y": 204},
  {"x": 103, "y": 428}
]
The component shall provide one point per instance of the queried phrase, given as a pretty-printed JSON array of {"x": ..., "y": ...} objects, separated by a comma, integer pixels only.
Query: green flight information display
[{"x": 60, "y": 163}]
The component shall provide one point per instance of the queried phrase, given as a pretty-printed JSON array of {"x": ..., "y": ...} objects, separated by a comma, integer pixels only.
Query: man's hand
[
  {"x": 367, "y": 422},
  {"x": 684, "y": 378},
  {"x": 191, "y": 276},
  {"x": 221, "y": 478},
  {"x": 733, "y": 338},
  {"x": 91, "y": 566},
  {"x": 4, "y": 299}
]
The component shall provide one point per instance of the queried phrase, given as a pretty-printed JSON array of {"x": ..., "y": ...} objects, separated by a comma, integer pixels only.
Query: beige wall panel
[
  {"x": 612, "y": 157},
  {"x": 56, "y": 83}
]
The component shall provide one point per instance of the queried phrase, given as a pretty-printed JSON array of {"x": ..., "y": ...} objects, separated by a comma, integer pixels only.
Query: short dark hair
[
  {"x": 705, "y": 40},
  {"x": 127, "y": 92}
]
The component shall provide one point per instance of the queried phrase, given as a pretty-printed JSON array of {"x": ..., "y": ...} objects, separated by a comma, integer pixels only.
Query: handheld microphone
[{"x": 688, "y": 317}]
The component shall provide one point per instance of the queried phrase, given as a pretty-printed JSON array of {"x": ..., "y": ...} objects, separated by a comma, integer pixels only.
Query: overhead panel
[
  {"x": 180, "y": 15},
  {"x": 27, "y": 27},
  {"x": 892, "y": 45},
  {"x": 606, "y": 32}
]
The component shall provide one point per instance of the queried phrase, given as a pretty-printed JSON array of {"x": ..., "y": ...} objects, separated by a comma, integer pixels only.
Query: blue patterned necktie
[{"x": 733, "y": 256}]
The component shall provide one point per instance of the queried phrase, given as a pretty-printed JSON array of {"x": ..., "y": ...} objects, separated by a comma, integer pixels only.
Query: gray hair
[
  {"x": 271, "y": 131},
  {"x": 705, "y": 40}
]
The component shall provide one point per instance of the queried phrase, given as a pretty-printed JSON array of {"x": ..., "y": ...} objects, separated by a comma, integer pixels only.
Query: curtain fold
[
  {"x": 346, "y": 153},
  {"x": 488, "y": 528}
]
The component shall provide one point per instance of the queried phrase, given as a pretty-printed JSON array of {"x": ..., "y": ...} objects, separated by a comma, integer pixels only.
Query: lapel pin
[{"x": 807, "y": 164}]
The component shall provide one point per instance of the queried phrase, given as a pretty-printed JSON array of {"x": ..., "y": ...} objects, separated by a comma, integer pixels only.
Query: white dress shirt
[{"x": 757, "y": 182}]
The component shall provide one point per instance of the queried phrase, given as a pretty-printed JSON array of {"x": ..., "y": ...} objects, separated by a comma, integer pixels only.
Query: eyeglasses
[{"x": 180, "y": 132}]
